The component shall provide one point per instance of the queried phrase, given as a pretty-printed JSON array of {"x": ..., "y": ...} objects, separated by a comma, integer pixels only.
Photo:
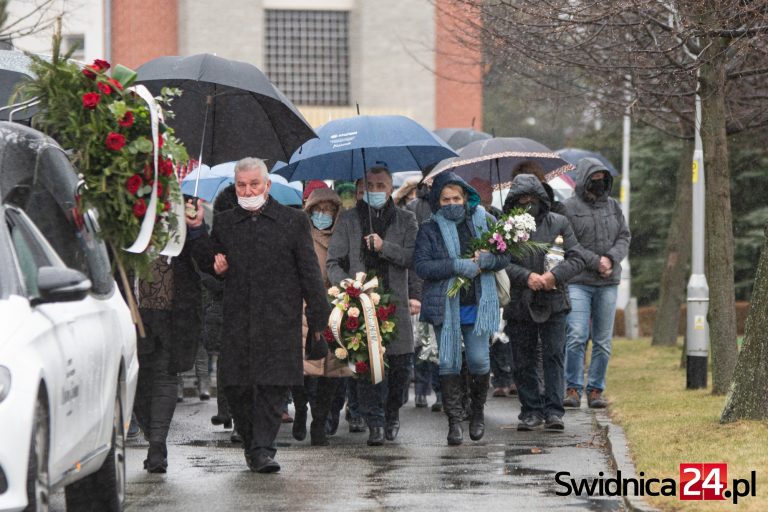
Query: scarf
[
  {"x": 381, "y": 220},
  {"x": 488, "y": 309}
]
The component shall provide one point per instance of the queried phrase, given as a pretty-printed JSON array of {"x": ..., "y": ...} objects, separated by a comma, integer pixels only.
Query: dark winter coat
[
  {"x": 345, "y": 259},
  {"x": 430, "y": 257},
  {"x": 599, "y": 226},
  {"x": 549, "y": 226},
  {"x": 273, "y": 269}
]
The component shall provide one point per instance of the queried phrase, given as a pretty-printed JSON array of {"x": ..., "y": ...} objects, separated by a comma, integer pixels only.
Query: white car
[{"x": 68, "y": 363}]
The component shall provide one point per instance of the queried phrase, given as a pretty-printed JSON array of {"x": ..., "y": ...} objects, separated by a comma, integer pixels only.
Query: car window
[
  {"x": 30, "y": 254},
  {"x": 51, "y": 206}
]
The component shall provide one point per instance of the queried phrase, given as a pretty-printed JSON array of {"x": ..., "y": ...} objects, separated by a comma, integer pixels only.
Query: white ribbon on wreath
[{"x": 372, "y": 331}]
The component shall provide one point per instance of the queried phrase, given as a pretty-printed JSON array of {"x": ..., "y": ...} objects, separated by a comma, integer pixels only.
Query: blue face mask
[
  {"x": 375, "y": 199},
  {"x": 322, "y": 220},
  {"x": 454, "y": 212}
]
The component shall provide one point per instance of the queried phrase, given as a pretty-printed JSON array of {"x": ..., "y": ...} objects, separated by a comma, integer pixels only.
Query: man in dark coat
[
  {"x": 603, "y": 233},
  {"x": 264, "y": 253},
  {"x": 539, "y": 305},
  {"x": 387, "y": 251}
]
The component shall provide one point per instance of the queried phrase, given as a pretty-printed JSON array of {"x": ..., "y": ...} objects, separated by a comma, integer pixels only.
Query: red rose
[
  {"x": 133, "y": 184},
  {"x": 89, "y": 73},
  {"x": 91, "y": 99},
  {"x": 139, "y": 208},
  {"x": 115, "y": 141},
  {"x": 115, "y": 84},
  {"x": 104, "y": 88},
  {"x": 159, "y": 141},
  {"x": 392, "y": 308},
  {"x": 159, "y": 189},
  {"x": 127, "y": 120},
  {"x": 328, "y": 335},
  {"x": 383, "y": 313},
  {"x": 353, "y": 292},
  {"x": 361, "y": 367},
  {"x": 166, "y": 167},
  {"x": 166, "y": 206},
  {"x": 100, "y": 65},
  {"x": 352, "y": 323}
]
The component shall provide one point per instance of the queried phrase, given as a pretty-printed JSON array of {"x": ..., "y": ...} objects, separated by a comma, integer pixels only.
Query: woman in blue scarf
[{"x": 472, "y": 315}]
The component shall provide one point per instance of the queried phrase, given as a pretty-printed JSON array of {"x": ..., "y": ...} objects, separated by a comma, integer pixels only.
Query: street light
[{"x": 697, "y": 329}]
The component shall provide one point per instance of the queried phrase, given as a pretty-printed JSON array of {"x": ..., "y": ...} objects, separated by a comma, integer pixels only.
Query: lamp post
[{"x": 697, "y": 329}]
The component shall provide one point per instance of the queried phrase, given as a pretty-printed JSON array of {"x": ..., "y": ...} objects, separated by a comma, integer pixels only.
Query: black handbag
[{"x": 315, "y": 350}]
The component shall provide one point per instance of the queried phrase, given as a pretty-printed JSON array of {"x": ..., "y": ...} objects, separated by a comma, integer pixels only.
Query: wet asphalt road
[{"x": 507, "y": 470}]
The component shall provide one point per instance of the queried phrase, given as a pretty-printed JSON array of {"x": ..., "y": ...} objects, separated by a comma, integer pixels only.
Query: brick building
[{"x": 328, "y": 56}]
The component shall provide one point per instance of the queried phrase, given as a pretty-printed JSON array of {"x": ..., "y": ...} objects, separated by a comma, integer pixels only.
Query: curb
[{"x": 618, "y": 451}]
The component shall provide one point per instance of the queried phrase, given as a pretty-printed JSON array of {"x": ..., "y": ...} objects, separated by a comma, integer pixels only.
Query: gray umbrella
[
  {"x": 457, "y": 138},
  {"x": 228, "y": 109},
  {"x": 14, "y": 70}
]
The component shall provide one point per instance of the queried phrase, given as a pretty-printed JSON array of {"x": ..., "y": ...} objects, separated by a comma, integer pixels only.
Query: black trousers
[
  {"x": 381, "y": 402},
  {"x": 257, "y": 411},
  {"x": 156, "y": 388}
]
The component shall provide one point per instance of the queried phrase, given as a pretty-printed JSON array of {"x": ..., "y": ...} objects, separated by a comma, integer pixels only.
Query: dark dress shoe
[
  {"x": 392, "y": 429},
  {"x": 455, "y": 434},
  {"x": 376, "y": 436},
  {"x": 236, "y": 438},
  {"x": 529, "y": 423},
  {"x": 357, "y": 425},
  {"x": 218, "y": 419},
  {"x": 421, "y": 400},
  {"x": 262, "y": 463},
  {"x": 554, "y": 422},
  {"x": 476, "y": 427}
]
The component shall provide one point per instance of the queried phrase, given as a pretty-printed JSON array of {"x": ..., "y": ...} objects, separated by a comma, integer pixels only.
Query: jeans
[
  {"x": 524, "y": 337},
  {"x": 476, "y": 350},
  {"x": 382, "y": 402},
  {"x": 598, "y": 304}
]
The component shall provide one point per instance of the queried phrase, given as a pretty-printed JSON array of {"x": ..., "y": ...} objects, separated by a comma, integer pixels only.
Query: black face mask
[{"x": 596, "y": 187}]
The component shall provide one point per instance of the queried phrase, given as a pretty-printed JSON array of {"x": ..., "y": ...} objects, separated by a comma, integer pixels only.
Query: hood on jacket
[
  {"x": 527, "y": 185},
  {"x": 584, "y": 171},
  {"x": 449, "y": 178},
  {"x": 319, "y": 195}
]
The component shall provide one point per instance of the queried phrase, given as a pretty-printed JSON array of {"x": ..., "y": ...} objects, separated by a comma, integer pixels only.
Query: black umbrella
[
  {"x": 228, "y": 110},
  {"x": 457, "y": 138}
]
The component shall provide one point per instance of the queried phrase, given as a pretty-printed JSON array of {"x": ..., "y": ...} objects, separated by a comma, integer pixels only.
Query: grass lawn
[{"x": 666, "y": 424}]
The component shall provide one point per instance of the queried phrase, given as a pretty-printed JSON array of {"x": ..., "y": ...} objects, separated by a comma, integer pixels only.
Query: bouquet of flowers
[
  {"x": 509, "y": 235},
  {"x": 361, "y": 325},
  {"x": 107, "y": 130}
]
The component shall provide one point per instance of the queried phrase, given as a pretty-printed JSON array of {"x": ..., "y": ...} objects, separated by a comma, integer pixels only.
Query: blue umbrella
[
  {"x": 215, "y": 179},
  {"x": 346, "y": 147},
  {"x": 573, "y": 155}
]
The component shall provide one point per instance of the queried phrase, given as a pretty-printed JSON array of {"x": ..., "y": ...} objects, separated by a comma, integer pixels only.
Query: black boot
[
  {"x": 157, "y": 458},
  {"x": 478, "y": 389},
  {"x": 375, "y": 436},
  {"x": 451, "y": 386}
]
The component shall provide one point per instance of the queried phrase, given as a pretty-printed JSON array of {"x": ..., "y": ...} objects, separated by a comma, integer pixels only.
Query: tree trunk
[
  {"x": 673, "y": 279},
  {"x": 748, "y": 396},
  {"x": 719, "y": 224}
]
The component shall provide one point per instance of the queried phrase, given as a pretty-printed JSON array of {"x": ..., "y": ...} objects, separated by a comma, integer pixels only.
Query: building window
[
  {"x": 76, "y": 43},
  {"x": 307, "y": 55}
]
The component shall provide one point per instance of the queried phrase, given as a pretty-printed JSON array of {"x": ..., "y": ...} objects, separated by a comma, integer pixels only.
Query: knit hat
[{"x": 312, "y": 185}]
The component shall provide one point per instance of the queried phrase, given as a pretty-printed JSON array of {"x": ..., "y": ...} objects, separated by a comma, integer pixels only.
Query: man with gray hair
[{"x": 263, "y": 251}]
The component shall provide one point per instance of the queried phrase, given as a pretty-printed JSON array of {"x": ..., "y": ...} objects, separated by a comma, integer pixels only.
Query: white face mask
[{"x": 252, "y": 203}]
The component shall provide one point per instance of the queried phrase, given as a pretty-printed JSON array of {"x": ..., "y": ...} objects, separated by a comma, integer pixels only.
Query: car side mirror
[{"x": 61, "y": 284}]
